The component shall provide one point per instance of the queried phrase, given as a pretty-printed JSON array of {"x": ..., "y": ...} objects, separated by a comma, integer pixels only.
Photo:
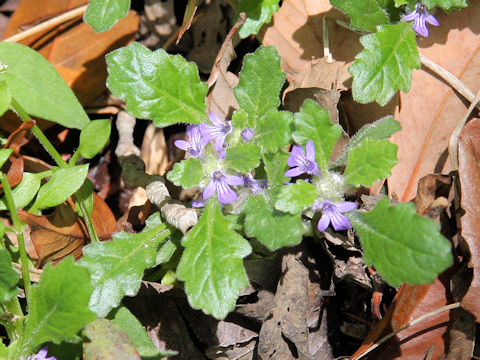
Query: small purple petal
[
  {"x": 411, "y": 16},
  {"x": 182, "y": 144},
  {"x": 219, "y": 141},
  {"x": 310, "y": 150},
  {"x": 323, "y": 222},
  {"x": 332, "y": 213},
  {"x": 215, "y": 120},
  {"x": 247, "y": 134},
  {"x": 296, "y": 171},
  {"x": 339, "y": 221},
  {"x": 296, "y": 156},
  {"x": 420, "y": 27},
  {"x": 209, "y": 189},
  {"x": 225, "y": 193},
  {"x": 233, "y": 179},
  {"x": 346, "y": 206},
  {"x": 432, "y": 20},
  {"x": 199, "y": 203}
]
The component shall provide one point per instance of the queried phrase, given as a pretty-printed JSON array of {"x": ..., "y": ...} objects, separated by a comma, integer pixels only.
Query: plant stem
[
  {"x": 17, "y": 225},
  {"x": 88, "y": 222}
]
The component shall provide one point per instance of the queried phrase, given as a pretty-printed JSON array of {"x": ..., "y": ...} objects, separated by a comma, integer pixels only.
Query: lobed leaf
[
  {"x": 274, "y": 130},
  {"x": 294, "y": 198},
  {"x": 243, "y": 157},
  {"x": 273, "y": 228},
  {"x": 258, "y": 12},
  {"x": 186, "y": 173},
  {"x": 403, "y": 246},
  {"x": 38, "y": 88},
  {"x": 385, "y": 64},
  {"x": 212, "y": 263},
  {"x": 275, "y": 168},
  {"x": 370, "y": 161},
  {"x": 366, "y": 14},
  {"x": 156, "y": 85},
  {"x": 101, "y": 15}
]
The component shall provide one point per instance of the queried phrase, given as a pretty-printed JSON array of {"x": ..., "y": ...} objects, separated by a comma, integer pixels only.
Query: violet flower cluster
[
  {"x": 220, "y": 180},
  {"x": 420, "y": 17},
  {"x": 304, "y": 163}
]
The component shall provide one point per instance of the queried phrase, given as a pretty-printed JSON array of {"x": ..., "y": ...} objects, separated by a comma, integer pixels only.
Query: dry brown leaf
[
  {"x": 430, "y": 111},
  {"x": 431, "y": 188},
  {"x": 76, "y": 51},
  {"x": 469, "y": 173},
  {"x": 61, "y": 233}
]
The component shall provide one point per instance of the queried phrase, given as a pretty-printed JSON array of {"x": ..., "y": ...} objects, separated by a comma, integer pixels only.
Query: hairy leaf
[
  {"x": 365, "y": 14},
  {"x": 274, "y": 130},
  {"x": 212, "y": 263},
  {"x": 275, "y": 167},
  {"x": 243, "y": 157},
  {"x": 403, "y": 246},
  {"x": 386, "y": 64},
  {"x": 101, "y": 15},
  {"x": 186, "y": 173},
  {"x": 295, "y": 198},
  {"x": 156, "y": 85},
  {"x": 258, "y": 12}
]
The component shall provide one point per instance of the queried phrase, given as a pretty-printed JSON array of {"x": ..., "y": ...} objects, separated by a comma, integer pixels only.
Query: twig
[
  {"x": 451, "y": 79},
  {"x": 453, "y": 143},
  {"x": 413, "y": 322},
  {"x": 326, "y": 43},
  {"x": 49, "y": 24}
]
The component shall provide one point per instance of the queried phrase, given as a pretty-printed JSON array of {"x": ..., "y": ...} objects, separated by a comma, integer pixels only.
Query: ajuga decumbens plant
[{"x": 265, "y": 174}]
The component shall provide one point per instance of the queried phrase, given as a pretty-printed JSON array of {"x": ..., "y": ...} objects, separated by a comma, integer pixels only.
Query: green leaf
[
  {"x": 444, "y": 4},
  {"x": 313, "y": 123},
  {"x": 258, "y": 12},
  {"x": 106, "y": 340},
  {"x": 275, "y": 167},
  {"x": 58, "y": 306},
  {"x": 211, "y": 265},
  {"x": 365, "y": 14},
  {"x": 243, "y": 157},
  {"x": 93, "y": 138},
  {"x": 101, "y": 15},
  {"x": 38, "y": 88},
  {"x": 386, "y": 64},
  {"x": 85, "y": 195},
  {"x": 295, "y": 198},
  {"x": 5, "y": 97},
  {"x": 62, "y": 184},
  {"x": 156, "y": 85},
  {"x": 271, "y": 227},
  {"x": 117, "y": 266},
  {"x": 8, "y": 277},
  {"x": 4, "y": 155},
  {"x": 370, "y": 161},
  {"x": 186, "y": 173},
  {"x": 403, "y": 246},
  {"x": 274, "y": 130},
  {"x": 24, "y": 192},
  {"x": 260, "y": 82},
  {"x": 379, "y": 130},
  {"x": 137, "y": 334}
]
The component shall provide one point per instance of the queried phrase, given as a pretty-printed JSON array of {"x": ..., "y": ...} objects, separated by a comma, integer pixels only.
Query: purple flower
[
  {"x": 247, "y": 134},
  {"x": 41, "y": 355},
  {"x": 196, "y": 141},
  {"x": 302, "y": 163},
  {"x": 253, "y": 184},
  {"x": 218, "y": 131},
  {"x": 220, "y": 184},
  {"x": 332, "y": 213},
  {"x": 420, "y": 16}
]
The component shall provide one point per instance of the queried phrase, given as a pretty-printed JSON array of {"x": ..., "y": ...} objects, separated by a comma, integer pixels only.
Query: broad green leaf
[
  {"x": 169, "y": 247},
  {"x": 403, "y": 246},
  {"x": 444, "y": 4},
  {"x": 117, "y": 266},
  {"x": 313, "y": 123},
  {"x": 274, "y": 130},
  {"x": 275, "y": 167},
  {"x": 243, "y": 157},
  {"x": 85, "y": 195},
  {"x": 62, "y": 184},
  {"x": 260, "y": 82},
  {"x": 38, "y": 88},
  {"x": 258, "y": 12},
  {"x": 365, "y": 14},
  {"x": 379, "y": 130},
  {"x": 8, "y": 277},
  {"x": 370, "y": 161},
  {"x": 240, "y": 120},
  {"x": 271, "y": 227},
  {"x": 24, "y": 192},
  {"x": 186, "y": 173},
  {"x": 93, "y": 138},
  {"x": 137, "y": 334},
  {"x": 58, "y": 306},
  {"x": 295, "y": 198},
  {"x": 106, "y": 340},
  {"x": 5, "y": 97},
  {"x": 4, "y": 155},
  {"x": 101, "y": 15},
  {"x": 212, "y": 263},
  {"x": 156, "y": 85},
  {"x": 386, "y": 64}
]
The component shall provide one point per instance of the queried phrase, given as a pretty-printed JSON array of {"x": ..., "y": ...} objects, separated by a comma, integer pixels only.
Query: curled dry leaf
[
  {"x": 62, "y": 233},
  {"x": 469, "y": 173}
]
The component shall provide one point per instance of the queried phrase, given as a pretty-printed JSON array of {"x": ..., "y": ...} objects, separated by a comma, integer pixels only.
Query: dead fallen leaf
[
  {"x": 75, "y": 49},
  {"x": 431, "y": 110},
  {"x": 469, "y": 173},
  {"x": 431, "y": 189},
  {"x": 61, "y": 233},
  {"x": 190, "y": 11}
]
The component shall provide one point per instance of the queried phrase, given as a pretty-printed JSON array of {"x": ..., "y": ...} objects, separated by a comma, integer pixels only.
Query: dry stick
[
  {"x": 411, "y": 323},
  {"x": 453, "y": 143},
  {"x": 49, "y": 24}
]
